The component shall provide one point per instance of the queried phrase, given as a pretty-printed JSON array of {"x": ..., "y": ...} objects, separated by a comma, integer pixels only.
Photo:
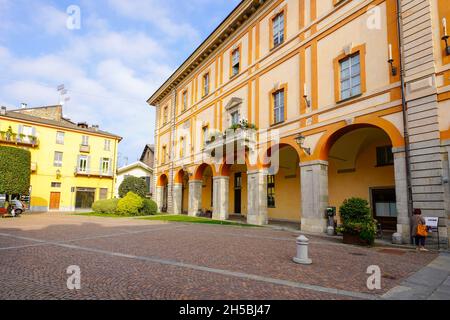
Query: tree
[
  {"x": 135, "y": 185},
  {"x": 15, "y": 169}
]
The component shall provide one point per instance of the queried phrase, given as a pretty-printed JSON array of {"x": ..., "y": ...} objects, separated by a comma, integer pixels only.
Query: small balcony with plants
[
  {"x": 239, "y": 135},
  {"x": 9, "y": 137}
]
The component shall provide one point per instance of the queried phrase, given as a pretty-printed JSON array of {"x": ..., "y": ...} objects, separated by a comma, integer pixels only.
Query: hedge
[
  {"x": 133, "y": 184},
  {"x": 130, "y": 205},
  {"x": 105, "y": 206},
  {"x": 149, "y": 208},
  {"x": 15, "y": 169}
]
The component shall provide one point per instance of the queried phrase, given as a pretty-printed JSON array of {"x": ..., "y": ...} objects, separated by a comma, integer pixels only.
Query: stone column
[
  {"x": 314, "y": 186},
  {"x": 177, "y": 198},
  {"x": 195, "y": 197},
  {"x": 221, "y": 198},
  {"x": 159, "y": 197},
  {"x": 257, "y": 198},
  {"x": 403, "y": 235}
]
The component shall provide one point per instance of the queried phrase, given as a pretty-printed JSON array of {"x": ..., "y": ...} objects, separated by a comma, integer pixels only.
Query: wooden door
[
  {"x": 55, "y": 198},
  {"x": 238, "y": 193}
]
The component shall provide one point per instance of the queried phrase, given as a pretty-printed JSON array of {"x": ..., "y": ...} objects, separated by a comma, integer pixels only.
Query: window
[
  {"x": 185, "y": 101},
  {"x": 206, "y": 84},
  {"x": 83, "y": 164},
  {"x": 60, "y": 137},
  {"x": 205, "y": 133},
  {"x": 278, "y": 106},
  {"x": 235, "y": 62},
  {"x": 271, "y": 191},
  {"x": 56, "y": 184},
  {"x": 235, "y": 118},
  {"x": 385, "y": 157},
  {"x": 58, "y": 159},
  {"x": 182, "y": 147},
  {"x": 103, "y": 193},
  {"x": 350, "y": 77},
  {"x": 105, "y": 165},
  {"x": 166, "y": 114},
  {"x": 107, "y": 145},
  {"x": 85, "y": 141},
  {"x": 278, "y": 25}
]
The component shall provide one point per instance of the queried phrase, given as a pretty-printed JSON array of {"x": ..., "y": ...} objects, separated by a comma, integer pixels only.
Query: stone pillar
[
  {"x": 419, "y": 70},
  {"x": 177, "y": 198},
  {"x": 195, "y": 197},
  {"x": 314, "y": 186},
  {"x": 221, "y": 198},
  {"x": 403, "y": 235},
  {"x": 257, "y": 198},
  {"x": 159, "y": 197}
]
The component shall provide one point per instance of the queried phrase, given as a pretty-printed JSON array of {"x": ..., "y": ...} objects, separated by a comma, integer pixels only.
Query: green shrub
[
  {"x": 150, "y": 208},
  {"x": 105, "y": 206},
  {"x": 130, "y": 205},
  {"x": 357, "y": 219},
  {"x": 15, "y": 170},
  {"x": 133, "y": 184}
]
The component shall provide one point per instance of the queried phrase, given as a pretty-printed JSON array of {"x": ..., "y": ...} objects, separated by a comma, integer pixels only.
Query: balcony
[
  {"x": 83, "y": 172},
  {"x": 241, "y": 138},
  {"x": 85, "y": 148},
  {"x": 22, "y": 140}
]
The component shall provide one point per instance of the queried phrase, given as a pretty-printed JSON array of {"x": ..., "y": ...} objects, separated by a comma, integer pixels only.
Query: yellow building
[
  {"x": 72, "y": 164},
  {"x": 327, "y": 76}
]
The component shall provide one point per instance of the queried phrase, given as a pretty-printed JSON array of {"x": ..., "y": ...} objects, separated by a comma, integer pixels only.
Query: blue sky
[{"x": 122, "y": 53}]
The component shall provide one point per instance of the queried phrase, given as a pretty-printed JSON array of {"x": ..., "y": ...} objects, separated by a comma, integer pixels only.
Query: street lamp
[{"x": 300, "y": 140}]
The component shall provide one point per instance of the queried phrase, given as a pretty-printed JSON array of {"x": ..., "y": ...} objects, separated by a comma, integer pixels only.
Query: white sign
[{"x": 432, "y": 222}]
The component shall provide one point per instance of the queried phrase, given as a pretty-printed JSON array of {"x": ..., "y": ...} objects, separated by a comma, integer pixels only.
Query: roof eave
[{"x": 212, "y": 42}]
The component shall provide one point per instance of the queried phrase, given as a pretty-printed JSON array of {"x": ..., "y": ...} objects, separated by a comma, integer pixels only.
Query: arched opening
[
  {"x": 182, "y": 177},
  {"x": 283, "y": 184},
  {"x": 163, "y": 183},
  {"x": 361, "y": 164},
  {"x": 205, "y": 174}
]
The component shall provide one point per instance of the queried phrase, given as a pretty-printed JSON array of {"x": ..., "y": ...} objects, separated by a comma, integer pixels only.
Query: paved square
[{"x": 138, "y": 259}]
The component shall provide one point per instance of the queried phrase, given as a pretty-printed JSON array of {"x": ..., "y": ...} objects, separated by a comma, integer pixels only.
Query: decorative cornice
[{"x": 228, "y": 27}]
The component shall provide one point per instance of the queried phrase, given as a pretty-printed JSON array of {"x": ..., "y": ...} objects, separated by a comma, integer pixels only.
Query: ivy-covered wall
[{"x": 15, "y": 170}]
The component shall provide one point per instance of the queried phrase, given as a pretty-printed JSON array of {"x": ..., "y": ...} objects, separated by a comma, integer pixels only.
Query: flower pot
[{"x": 354, "y": 239}]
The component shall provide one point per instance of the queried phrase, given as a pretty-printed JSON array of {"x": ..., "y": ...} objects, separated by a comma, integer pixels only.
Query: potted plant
[{"x": 358, "y": 226}]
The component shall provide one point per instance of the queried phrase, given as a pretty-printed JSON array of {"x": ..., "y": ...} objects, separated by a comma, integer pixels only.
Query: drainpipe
[{"x": 404, "y": 110}]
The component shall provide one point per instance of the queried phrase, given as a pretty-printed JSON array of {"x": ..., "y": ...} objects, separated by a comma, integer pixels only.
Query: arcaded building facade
[{"x": 358, "y": 102}]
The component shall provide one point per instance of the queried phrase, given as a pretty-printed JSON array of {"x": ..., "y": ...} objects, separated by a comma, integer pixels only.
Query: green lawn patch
[{"x": 188, "y": 219}]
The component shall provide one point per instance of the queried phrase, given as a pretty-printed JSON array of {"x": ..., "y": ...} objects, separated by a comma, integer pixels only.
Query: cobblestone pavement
[{"x": 138, "y": 259}]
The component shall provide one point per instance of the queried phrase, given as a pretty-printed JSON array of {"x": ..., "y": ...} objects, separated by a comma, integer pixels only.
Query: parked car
[{"x": 18, "y": 206}]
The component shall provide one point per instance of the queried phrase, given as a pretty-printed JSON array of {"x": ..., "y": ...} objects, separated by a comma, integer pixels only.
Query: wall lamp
[
  {"x": 391, "y": 62},
  {"x": 445, "y": 37},
  {"x": 305, "y": 96},
  {"x": 300, "y": 140}
]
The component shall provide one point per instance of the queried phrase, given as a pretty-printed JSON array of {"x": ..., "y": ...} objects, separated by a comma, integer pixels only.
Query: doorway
[
  {"x": 238, "y": 193},
  {"x": 84, "y": 198},
  {"x": 55, "y": 200},
  {"x": 384, "y": 204}
]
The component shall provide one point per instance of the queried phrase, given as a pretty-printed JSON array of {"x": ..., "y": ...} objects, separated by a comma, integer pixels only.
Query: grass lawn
[{"x": 187, "y": 219}]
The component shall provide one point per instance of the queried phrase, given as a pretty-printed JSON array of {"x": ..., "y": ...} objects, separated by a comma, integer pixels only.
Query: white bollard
[{"x": 302, "y": 251}]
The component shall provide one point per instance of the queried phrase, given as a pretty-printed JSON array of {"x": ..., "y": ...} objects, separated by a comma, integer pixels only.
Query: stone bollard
[{"x": 302, "y": 251}]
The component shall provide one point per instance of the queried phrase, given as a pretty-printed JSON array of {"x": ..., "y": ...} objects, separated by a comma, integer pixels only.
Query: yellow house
[
  {"x": 72, "y": 164},
  {"x": 354, "y": 115}
]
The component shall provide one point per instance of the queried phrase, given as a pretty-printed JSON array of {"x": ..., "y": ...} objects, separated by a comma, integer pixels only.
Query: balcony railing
[
  {"x": 85, "y": 148},
  {"x": 245, "y": 138},
  {"x": 18, "y": 139},
  {"x": 93, "y": 173}
]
